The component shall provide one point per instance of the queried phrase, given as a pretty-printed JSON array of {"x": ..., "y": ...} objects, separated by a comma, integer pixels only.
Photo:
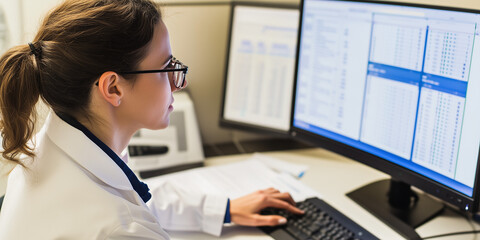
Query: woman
[{"x": 106, "y": 69}]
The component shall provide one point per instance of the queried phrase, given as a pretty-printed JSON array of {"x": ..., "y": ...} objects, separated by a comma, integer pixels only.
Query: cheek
[
  {"x": 157, "y": 98},
  {"x": 150, "y": 103}
]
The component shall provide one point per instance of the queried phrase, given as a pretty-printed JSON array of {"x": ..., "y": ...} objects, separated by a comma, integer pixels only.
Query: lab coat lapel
[{"x": 85, "y": 152}]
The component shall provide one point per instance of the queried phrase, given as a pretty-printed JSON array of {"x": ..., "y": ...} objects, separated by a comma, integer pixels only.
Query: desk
[{"x": 332, "y": 176}]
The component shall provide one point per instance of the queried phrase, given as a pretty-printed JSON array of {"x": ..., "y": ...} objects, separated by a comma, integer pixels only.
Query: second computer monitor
[{"x": 260, "y": 67}]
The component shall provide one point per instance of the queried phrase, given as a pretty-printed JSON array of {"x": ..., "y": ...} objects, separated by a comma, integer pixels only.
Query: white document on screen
[{"x": 236, "y": 179}]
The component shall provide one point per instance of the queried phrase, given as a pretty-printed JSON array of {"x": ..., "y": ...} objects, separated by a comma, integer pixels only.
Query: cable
[
  {"x": 451, "y": 234},
  {"x": 237, "y": 143},
  {"x": 469, "y": 220},
  {"x": 467, "y": 217}
]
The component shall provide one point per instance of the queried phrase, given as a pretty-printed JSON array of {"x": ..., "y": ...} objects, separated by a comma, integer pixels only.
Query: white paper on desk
[
  {"x": 296, "y": 170},
  {"x": 237, "y": 179}
]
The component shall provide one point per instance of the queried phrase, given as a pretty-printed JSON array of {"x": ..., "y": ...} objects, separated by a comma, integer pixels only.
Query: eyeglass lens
[{"x": 178, "y": 76}]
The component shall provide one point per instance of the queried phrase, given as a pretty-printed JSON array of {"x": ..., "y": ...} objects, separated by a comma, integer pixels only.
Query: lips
[{"x": 171, "y": 105}]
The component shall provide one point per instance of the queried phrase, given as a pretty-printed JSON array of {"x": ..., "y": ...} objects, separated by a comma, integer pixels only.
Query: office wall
[{"x": 199, "y": 35}]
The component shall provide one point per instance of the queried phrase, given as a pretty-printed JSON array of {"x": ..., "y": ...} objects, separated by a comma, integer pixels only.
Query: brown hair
[{"x": 77, "y": 42}]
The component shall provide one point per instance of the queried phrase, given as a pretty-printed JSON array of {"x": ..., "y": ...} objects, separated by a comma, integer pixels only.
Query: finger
[
  {"x": 277, "y": 203},
  {"x": 285, "y": 196},
  {"x": 268, "y": 220},
  {"x": 270, "y": 191}
]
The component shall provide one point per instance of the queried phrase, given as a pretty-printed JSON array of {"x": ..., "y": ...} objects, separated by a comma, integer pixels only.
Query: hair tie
[{"x": 35, "y": 51}]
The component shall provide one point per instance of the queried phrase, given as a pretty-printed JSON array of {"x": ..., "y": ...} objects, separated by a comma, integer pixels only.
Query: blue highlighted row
[
  {"x": 435, "y": 82},
  {"x": 394, "y": 73}
]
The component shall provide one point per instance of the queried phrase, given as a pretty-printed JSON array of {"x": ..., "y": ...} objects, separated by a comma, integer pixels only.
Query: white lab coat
[{"x": 73, "y": 190}]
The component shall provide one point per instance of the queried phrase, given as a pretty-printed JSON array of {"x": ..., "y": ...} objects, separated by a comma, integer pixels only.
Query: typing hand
[{"x": 246, "y": 210}]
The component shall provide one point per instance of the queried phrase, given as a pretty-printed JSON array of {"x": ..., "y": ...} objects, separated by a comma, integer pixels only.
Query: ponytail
[{"x": 19, "y": 93}]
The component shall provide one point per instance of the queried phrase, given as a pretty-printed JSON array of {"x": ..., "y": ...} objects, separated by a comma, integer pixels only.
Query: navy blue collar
[{"x": 140, "y": 187}]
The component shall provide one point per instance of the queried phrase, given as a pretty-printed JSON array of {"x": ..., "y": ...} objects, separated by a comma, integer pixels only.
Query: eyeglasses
[{"x": 178, "y": 71}]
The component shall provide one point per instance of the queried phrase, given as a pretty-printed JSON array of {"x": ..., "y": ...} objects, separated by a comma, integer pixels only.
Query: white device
[{"x": 182, "y": 137}]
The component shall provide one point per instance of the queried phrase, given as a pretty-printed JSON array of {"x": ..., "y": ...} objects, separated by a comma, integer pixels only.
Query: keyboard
[
  {"x": 145, "y": 150},
  {"x": 320, "y": 221}
]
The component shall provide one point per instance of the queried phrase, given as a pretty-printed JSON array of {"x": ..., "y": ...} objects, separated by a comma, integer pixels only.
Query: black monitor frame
[
  {"x": 242, "y": 125},
  {"x": 396, "y": 172}
]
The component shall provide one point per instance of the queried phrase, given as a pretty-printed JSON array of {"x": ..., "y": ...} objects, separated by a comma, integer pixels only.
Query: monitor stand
[{"x": 397, "y": 205}]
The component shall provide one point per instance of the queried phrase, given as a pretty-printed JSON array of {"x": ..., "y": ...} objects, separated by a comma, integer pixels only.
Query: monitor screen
[
  {"x": 397, "y": 84},
  {"x": 260, "y": 67}
]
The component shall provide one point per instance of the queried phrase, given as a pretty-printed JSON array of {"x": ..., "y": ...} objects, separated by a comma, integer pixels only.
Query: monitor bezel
[
  {"x": 227, "y": 123},
  {"x": 395, "y": 171}
]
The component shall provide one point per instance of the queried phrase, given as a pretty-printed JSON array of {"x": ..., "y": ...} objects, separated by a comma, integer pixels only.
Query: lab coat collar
[{"x": 85, "y": 152}]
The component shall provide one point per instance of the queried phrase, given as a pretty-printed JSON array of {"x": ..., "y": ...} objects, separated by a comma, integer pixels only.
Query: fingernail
[{"x": 282, "y": 221}]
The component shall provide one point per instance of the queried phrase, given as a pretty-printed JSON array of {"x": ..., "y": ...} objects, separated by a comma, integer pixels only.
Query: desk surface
[{"x": 332, "y": 176}]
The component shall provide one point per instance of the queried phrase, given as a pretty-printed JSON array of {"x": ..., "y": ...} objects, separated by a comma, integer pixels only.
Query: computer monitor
[
  {"x": 260, "y": 67},
  {"x": 396, "y": 87}
]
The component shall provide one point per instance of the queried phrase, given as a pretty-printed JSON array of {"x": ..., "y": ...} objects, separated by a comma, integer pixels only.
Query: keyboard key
[{"x": 320, "y": 221}]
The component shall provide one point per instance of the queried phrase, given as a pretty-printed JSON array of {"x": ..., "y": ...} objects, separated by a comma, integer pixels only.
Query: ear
[{"x": 110, "y": 88}]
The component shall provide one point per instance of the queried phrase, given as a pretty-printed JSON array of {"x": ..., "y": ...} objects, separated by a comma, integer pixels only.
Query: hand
[{"x": 245, "y": 210}]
